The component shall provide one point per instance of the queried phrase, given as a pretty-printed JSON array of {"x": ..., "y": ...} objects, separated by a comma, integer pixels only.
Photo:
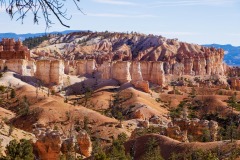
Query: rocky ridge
[{"x": 178, "y": 58}]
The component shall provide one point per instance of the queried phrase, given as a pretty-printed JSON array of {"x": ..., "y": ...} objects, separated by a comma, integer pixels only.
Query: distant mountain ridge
[
  {"x": 232, "y": 53},
  {"x": 27, "y": 35}
]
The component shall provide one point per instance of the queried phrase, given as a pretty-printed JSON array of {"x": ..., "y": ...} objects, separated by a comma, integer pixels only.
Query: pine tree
[
  {"x": 206, "y": 137},
  {"x": 13, "y": 93},
  {"x": 117, "y": 151},
  {"x": 152, "y": 150},
  {"x": 21, "y": 150},
  {"x": 232, "y": 102},
  {"x": 24, "y": 110},
  {"x": 98, "y": 152}
]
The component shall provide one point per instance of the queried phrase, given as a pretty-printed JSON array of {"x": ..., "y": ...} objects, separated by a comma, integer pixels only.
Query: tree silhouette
[{"x": 48, "y": 9}]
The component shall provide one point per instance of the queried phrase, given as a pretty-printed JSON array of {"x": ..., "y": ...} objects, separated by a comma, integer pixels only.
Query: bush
[
  {"x": 152, "y": 151},
  {"x": 52, "y": 92},
  {"x": 117, "y": 150},
  {"x": 2, "y": 89},
  {"x": 13, "y": 93},
  {"x": 21, "y": 150}
]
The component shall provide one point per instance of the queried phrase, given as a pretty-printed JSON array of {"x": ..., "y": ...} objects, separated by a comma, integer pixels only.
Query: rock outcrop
[
  {"x": 196, "y": 128},
  {"x": 106, "y": 70},
  {"x": 20, "y": 66},
  {"x": 51, "y": 143},
  {"x": 141, "y": 85},
  {"x": 121, "y": 71},
  {"x": 178, "y": 58},
  {"x": 50, "y": 71},
  {"x": 233, "y": 71},
  {"x": 84, "y": 141},
  {"x": 183, "y": 130},
  {"x": 235, "y": 83},
  {"x": 48, "y": 145},
  {"x": 138, "y": 115},
  {"x": 128, "y": 58},
  {"x": 138, "y": 73},
  {"x": 9, "y": 49},
  {"x": 85, "y": 67}
]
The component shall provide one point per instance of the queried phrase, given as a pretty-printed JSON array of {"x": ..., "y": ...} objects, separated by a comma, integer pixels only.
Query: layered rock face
[
  {"x": 156, "y": 73},
  {"x": 178, "y": 58},
  {"x": 70, "y": 67},
  {"x": 20, "y": 66},
  {"x": 235, "y": 83},
  {"x": 80, "y": 67},
  {"x": 139, "y": 74},
  {"x": 50, "y": 71},
  {"x": 17, "y": 65},
  {"x": 135, "y": 58},
  {"x": 233, "y": 71},
  {"x": 121, "y": 71},
  {"x": 136, "y": 72},
  {"x": 86, "y": 67},
  {"x": 16, "y": 57},
  {"x": 9, "y": 49},
  {"x": 106, "y": 70}
]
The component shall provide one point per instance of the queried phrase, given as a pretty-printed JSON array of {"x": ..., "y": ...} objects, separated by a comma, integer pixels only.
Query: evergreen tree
[
  {"x": 98, "y": 152},
  {"x": 22, "y": 150},
  {"x": 206, "y": 137},
  {"x": 152, "y": 150},
  {"x": 232, "y": 102},
  {"x": 13, "y": 93},
  {"x": 85, "y": 124},
  {"x": 117, "y": 151},
  {"x": 24, "y": 108},
  {"x": 192, "y": 94}
]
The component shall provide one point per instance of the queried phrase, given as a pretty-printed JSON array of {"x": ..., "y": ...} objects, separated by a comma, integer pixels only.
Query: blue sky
[{"x": 193, "y": 21}]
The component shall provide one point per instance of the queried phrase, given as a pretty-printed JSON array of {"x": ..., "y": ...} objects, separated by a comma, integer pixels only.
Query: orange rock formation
[{"x": 9, "y": 49}]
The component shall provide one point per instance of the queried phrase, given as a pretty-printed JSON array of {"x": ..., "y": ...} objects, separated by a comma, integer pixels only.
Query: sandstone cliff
[
  {"x": 50, "y": 71},
  {"x": 20, "y": 66},
  {"x": 138, "y": 73},
  {"x": 178, "y": 58}
]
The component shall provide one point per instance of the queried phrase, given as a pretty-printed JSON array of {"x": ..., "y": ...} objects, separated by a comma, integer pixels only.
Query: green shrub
[
  {"x": 20, "y": 150},
  {"x": 13, "y": 93}
]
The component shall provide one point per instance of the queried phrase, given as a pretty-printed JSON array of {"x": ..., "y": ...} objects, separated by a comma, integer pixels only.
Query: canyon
[
  {"x": 83, "y": 88},
  {"x": 114, "y": 58}
]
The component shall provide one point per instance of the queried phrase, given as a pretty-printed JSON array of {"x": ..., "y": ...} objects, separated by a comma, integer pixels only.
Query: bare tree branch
[{"x": 48, "y": 8}]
